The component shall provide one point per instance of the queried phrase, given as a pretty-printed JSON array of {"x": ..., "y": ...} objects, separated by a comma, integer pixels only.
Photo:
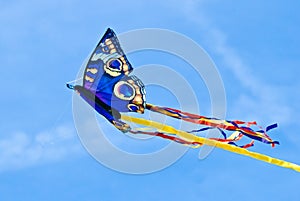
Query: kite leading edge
[{"x": 111, "y": 91}]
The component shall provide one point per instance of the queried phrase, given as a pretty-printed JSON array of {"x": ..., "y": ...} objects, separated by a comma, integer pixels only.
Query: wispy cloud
[
  {"x": 21, "y": 150},
  {"x": 258, "y": 98}
]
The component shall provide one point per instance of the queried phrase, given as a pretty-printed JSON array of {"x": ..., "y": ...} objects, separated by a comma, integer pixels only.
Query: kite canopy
[
  {"x": 110, "y": 89},
  {"x": 107, "y": 85}
]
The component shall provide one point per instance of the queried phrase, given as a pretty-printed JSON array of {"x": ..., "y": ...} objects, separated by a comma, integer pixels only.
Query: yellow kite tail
[{"x": 192, "y": 138}]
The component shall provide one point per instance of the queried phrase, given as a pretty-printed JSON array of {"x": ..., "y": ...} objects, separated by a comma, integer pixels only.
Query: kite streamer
[
  {"x": 187, "y": 137},
  {"x": 111, "y": 91},
  {"x": 243, "y": 128}
]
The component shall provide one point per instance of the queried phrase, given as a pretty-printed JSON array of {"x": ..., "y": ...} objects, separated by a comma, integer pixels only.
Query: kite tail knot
[
  {"x": 274, "y": 142},
  {"x": 268, "y": 128}
]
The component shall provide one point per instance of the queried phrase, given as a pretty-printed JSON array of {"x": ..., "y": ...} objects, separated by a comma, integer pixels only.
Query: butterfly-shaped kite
[{"x": 110, "y": 89}]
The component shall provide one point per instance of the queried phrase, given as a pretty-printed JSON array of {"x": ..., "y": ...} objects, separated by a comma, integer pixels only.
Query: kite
[{"x": 111, "y": 91}]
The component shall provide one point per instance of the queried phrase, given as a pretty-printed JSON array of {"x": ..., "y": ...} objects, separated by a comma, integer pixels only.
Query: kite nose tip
[{"x": 70, "y": 86}]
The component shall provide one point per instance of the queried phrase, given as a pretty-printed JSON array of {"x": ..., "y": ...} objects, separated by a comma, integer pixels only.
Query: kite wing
[{"x": 106, "y": 84}]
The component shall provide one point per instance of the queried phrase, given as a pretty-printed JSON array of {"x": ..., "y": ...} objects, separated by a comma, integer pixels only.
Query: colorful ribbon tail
[
  {"x": 236, "y": 125},
  {"x": 196, "y": 139}
]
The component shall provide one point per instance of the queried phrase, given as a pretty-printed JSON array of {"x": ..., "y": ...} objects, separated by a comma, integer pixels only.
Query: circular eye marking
[
  {"x": 132, "y": 107},
  {"x": 115, "y": 65},
  {"x": 124, "y": 90}
]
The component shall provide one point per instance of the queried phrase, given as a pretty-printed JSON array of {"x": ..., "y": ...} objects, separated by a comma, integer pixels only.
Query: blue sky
[{"x": 254, "y": 44}]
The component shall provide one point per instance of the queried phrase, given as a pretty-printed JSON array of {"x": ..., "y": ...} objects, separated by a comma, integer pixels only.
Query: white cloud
[{"x": 21, "y": 150}]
